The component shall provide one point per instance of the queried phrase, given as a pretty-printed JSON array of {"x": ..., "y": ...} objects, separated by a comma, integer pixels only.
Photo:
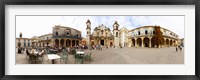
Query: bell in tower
[
  {"x": 115, "y": 25},
  {"x": 88, "y": 23}
]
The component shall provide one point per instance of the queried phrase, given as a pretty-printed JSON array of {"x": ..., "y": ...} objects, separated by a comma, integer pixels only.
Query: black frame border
[{"x": 98, "y": 2}]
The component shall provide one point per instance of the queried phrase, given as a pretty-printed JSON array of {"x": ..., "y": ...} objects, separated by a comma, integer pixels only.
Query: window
[
  {"x": 153, "y": 32},
  {"x": 146, "y": 32},
  {"x": 77, "y": 35},
  {"x": 138, "y": 32},
  {"x": 116, "y": 34},
  {"x": 67, "y": 34},
  {"x": 101, "y": 31},
  {"x": 56, "y": 33}
]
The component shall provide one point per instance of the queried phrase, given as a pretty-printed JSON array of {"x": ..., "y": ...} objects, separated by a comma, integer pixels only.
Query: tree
[{"x": 158, "y": 37}]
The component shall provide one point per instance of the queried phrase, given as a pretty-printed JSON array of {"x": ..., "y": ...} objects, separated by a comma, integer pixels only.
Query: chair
[
  {"x": 73, "y": 51},
  {"x": 41, "y": 55},
  {"x": 88, "y": 57},
  {"x": 78, "y": 58},
  {"x": 64, "y": 57},
  {"x": 32, "y": 58}
]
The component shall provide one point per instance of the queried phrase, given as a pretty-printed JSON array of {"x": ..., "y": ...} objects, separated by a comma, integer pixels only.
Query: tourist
[
  {"x": 107, "y": 46},
  {"x": 176, "y": 49},
  {"x": 180, "y": 48}
]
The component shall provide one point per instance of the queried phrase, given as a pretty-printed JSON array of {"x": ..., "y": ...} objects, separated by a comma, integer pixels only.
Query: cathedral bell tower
[
  {"x": 88, "y": 29},
  {"x": 116, "y": 34}
]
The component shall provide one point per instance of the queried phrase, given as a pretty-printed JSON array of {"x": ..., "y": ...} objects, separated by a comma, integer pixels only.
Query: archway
[
  {"x": 57, "y": 43},
  {"x": 68, "y": 43},
  {"x": 73, "y": 42},
  {"x": 133, "y": 42},
  {"x": 167, "y": 42},
  {"x": 139, "y": 42},
  {"x": 146, "y": 42},
  {"x": 62, "y": 42},
  {"x": 170, "y": 42},
  {"x": 153, "y": 42}
]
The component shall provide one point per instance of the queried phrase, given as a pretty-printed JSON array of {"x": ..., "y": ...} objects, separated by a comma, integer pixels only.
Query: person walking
[{"x": 176, "y": 49}]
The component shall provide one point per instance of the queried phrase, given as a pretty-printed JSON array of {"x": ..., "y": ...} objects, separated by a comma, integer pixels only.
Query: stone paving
[{"x": 126, "y": 55}]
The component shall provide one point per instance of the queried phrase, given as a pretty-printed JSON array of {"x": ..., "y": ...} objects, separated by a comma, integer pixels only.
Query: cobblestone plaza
[{"x": 126, "y": 55}]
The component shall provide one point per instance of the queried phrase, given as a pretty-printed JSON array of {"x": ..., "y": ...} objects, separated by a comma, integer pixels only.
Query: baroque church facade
[{"x": 102, "y": 35}]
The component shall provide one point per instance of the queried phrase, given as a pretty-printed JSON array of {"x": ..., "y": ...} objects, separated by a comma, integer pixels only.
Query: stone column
[
  {"x": 142, "y": 41},
  {"x": 135, "y": 42},
  {"x": 64, "y": 42},
  {"x": 150, "y": 42}
]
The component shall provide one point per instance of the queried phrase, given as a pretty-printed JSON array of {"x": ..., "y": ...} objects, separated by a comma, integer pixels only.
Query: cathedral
[{"x": 102, "y": 35}]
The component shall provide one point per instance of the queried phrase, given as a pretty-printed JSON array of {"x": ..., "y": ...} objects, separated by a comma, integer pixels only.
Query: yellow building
[
  {"x": 144, "y": 37},
  {"x": 65, "y": 36}
]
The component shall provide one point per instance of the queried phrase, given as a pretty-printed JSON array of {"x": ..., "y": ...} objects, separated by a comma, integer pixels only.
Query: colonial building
[
  {"x": 123, "y": 36},
  {"x": 65, "y": 36},
  {"x": 23, "y": 42},
  {"x": 102, "y": 35},
  {"x": 145, "y": 37},
  {"x": 44, "y": 40}
]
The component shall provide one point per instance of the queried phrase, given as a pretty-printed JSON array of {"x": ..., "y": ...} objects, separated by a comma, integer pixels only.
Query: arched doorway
[
  {"x": 57, "y": 43},
  {"x": 139, "y": 42},
  {"x": 62, "y": 42},
  {"x": 153, "y": 42},
  {"x": 167, "y": 42},
  {"x": 133, "y": 42},
  {"x": 170, "y": 42},
  {"x": 73, "y": 42},
  {"x": 146, "y": 42},
  {"x": 68, "y": 43}
]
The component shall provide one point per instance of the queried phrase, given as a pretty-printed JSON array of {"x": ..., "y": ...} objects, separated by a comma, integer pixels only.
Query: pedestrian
[
  {"x": 176, "y": 49},
  {"x": 180, "y": 48}
]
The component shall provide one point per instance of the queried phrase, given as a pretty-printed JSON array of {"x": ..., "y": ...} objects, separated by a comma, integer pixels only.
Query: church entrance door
[{"x": 102, "y": 42}]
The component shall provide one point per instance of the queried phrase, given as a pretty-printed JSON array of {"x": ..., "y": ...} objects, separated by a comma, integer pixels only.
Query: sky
[{"x": 39, "y": 25}]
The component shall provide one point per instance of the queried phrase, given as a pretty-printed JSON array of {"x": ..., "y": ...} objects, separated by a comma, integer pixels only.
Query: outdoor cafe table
[
  {"x": 53, "y": 57},
  {"x": 80, "y": 52}
]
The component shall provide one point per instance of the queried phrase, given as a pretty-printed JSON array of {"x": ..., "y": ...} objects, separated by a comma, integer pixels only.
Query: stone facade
[
  {"x": 65, "y": 37},
  {"x": 144, "y": 37},
  {"x": 102, "y": 35},
  {"x": 139, "y": 37},
  {"x": 23, "y": 42}
]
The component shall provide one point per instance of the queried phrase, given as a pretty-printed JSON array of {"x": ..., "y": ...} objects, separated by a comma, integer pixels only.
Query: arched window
[
  {"x": 101, "y": 31},
  {"x": 116, "y": 34}
]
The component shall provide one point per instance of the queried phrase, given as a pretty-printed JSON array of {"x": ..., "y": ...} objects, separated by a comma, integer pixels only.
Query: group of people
[{"x": 178, "y": 47}]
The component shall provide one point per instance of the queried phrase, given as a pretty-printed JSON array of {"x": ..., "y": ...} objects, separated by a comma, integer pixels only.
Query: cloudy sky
[{"x": 38, "y": 25}]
